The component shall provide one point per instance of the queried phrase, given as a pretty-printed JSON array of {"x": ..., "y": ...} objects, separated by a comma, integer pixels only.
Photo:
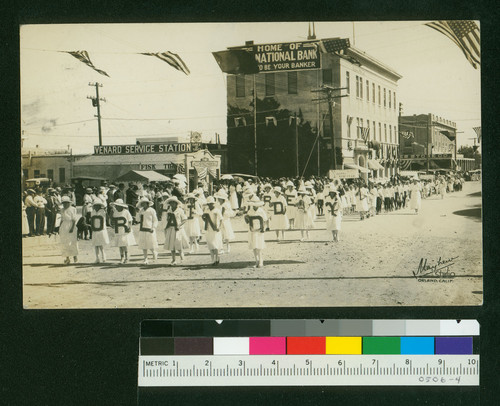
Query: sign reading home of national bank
[
  {"x": 144, "y": 149},
  {"x": 287, "y": 56}
]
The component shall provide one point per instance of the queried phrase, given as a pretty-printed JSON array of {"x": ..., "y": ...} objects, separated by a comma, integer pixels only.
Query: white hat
[
  {"x": 210, "y": 200},
  {"x": 98, "y": 202},
  {"x": 277, "y": 189},
  {"x": 268, "y": 185},
  {"x": 220, "y": 195},
  {"x": 144, "y": 199},
  {"x": 302, "y": 190},
  {"x": 173, "y": 199},
  {"x": 289, "y": 183},
  {"x": 255, "y": 201},
  {"x": 119, "y": 202},
  {"x": 65, "y": 199}
]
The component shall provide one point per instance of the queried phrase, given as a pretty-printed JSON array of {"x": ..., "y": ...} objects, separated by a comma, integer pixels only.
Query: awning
[
  {"x": 142, "y": 176},
  {"x": 354, "y": 166},
  {"x": 374, "y": 165}
]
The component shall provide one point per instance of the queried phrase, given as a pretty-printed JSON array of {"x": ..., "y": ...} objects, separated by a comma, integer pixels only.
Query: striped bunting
[
  {"x": 83, "y": 56},
  {"x": 465, "y": 34},
  {"x": 478, "y": 132},
  {"x": 172, "y": 59}
]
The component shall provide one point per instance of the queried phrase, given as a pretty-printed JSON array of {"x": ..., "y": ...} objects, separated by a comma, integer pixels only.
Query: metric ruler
[{"x": 308, "y": 370}]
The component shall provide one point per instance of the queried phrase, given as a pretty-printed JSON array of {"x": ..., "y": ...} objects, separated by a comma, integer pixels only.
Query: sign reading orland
[
  {"x": 287, "y": 56},
  {"x": 144, "y": 149},
  {"x": 343, "y": 173}
]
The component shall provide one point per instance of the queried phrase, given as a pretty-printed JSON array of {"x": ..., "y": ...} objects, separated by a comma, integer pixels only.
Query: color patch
[
  {"x": 231, "y": 346},
  {"x": 417, "y": 345},
  {"x": 453, "y": 345},
  {"x": 156, "y": 346},
  {"x": 462, "y": 328},
  {"x": 228, "y": 328},
  {"x": 381, "y": 345},
  {"x": 287, "y": 328},
  {"x": 193, "y": 346},
  {"x": 343, "y": 345},
  {"x": 267, "y": 345},
  {"x": 423, "y": 327},
  {"x": 156, "y": 328},
  {"x": 355, "y": 328},
  {"x": 305, "y": 345},
  {"x": 387, "y": 328}
]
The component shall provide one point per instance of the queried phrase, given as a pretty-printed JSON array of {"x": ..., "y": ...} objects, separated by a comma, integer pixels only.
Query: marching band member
[
  {"x": 291, "y": 202},
  {"x": 67, "y": 231},
  {"x": 100, "y": 236},
  {"x": 148, "y": 221},
  {"x": 303, "y": 219},
  {"x": 122, "y": 224},
  {"x": 279, "y": 219},
  {"x": 256, "y": 218},
  {"x": 333, "y": 205},
  {"x": 175, "y": 235},
  {"x": 213, "y": 219},
  {"x": 227, "y": 212},
  {"x": 194, "y": 212}
]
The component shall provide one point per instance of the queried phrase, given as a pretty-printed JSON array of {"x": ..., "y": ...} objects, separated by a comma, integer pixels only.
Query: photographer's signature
[{"x": 435, "y": 272}]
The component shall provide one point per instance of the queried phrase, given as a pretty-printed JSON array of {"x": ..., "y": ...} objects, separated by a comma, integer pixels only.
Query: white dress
[
  {"x": 333, "y": 214},
  {"x": 192, "y": 226},
  {"x": 303, "y": 218},
  {"x": 226, "y": 226},
  {"x": 69, "y": 242},
  {"x": 214, "y": 238},
  {"x": 175, "y": 235},
  {"x": 122, "y": 220},
  {"x": 362, "y": 201},
  {"x": 256, "y": 220},
  {"x": 147, "y": 221},
  {"x": 416, "y": 198},
  {"x": 279, "y": 218},
  {"x": 100, "y": 236},
  {"x": 233, "y": 198},
  {"x": 291, "y": 201}
]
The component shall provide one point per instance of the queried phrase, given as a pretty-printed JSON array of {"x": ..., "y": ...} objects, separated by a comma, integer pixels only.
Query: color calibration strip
[{"x": 308, "y": 352}]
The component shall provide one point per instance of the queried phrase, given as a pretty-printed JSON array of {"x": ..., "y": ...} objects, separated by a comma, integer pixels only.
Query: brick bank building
[{"x": 292, "y": 131}]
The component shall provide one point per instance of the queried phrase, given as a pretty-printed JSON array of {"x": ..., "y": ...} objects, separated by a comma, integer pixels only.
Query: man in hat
[
  {"x": 132, "y": 198},
  {"x": 110, "y": 194},
  {"x": 40, "y": 202},
  {"x": 51, "y": 210},
  {"x": 120, "y": 192},
  {"x": 31, "y": 206}
]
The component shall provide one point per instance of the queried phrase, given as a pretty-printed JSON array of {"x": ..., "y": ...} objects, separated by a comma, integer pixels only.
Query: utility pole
[
  {"x": 296, "y": 146},
  {"x": 329, "y": 95},
  {"x": 96, "y": 103},
  {"x": 255, "y": 123}
]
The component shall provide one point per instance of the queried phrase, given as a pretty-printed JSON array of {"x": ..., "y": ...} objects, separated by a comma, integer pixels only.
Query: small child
[
  {"x": 333, "y": 213},
  {"x": 256, "y": 219},
  {"x": 320, "y": 201},
  {"x": 192, "y": 227},
  {"x": 100, "y": 236},
  {"x": 213, "y": 219},
  {"x": 122, "y": 224},
  {"x": 175, "y": 236},
  {"x": 148, "y": 221}
]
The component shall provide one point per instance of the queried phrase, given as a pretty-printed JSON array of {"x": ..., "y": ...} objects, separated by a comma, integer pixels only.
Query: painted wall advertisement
[{"x": 287, "y": 56}]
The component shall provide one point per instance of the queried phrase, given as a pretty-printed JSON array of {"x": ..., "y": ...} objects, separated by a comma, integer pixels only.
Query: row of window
[
  {"x": 389, "y": 97},
  {"x": 49, "y": 174},
  {"x": 389, "y": 133},
  {"x": 270, "y": 84}
]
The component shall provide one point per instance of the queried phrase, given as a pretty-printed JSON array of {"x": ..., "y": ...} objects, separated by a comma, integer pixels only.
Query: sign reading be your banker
[{"x": 287, "y": 56}]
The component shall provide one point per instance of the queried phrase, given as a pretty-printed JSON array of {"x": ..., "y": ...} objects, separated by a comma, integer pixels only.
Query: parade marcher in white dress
[
  {"x": 67, "y": 231},
  {"x": 333, "y": 205},
  {"x": 148, "y": 221},
  {"x": 175, "y": 235},
  {"x": 312, "y": 195},
  {"x": 121, "y": 219},
  {"x": 25, "y": 224},
  {"x": 303, "y": 220},
  {"x": 415, "y": 196},
  {"x": 100, "y": 236},
  {"x": 291, "y": 202},
  {"x": 213, "y": 220},
  {"x": 442, "y": 187},
  {"x": 362, "y": 202},
  {"x": 233, "y": 198},
  {"x": 88, "y": 198},
  {"x": 227, "y": 213},
  {"x": 256, "y": 219},
  {"x": 279, "y": 219},
  {"x": 267, "y": 196},
  {"x": 192, "y": 226}
]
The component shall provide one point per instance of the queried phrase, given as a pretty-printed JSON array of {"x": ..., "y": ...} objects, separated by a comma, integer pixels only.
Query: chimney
[{"x": 248, "y": 43}]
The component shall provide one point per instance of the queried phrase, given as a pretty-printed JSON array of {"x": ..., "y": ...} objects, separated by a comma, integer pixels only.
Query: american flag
[
  {"x": 83, "y": 56},
  {"x": 406, "y": 134},
  {"x": 172, "y": 59},
  {"x": 464, "y": 33},
  {"x": 478, "y": 132},
  {"x": 333, "y": 44},
  {"x": 365, "y": 132}
]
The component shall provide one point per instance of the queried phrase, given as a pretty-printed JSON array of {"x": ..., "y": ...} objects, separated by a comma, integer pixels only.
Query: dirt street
[{"x": 430, "y": 259}]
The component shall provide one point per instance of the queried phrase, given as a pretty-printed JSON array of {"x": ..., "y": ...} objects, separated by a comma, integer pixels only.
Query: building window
[
  {"x": 357, "y": 128},
  {"x": 50, "y": 174},
  {"x": 357, "y": 86},
  {"x": 374, "y": 136},
  {"x": 379, "y": 99},
  {"x": 25, "y": 174},
  {"x": 270, "y": 84},
  {"x": 361, "y": 87},
  {"x": 367, "y": 91},
  {"x": 380, "y": 131},
  {"x": 385, "y": 97},
  {"x": 348, "y": 82},
  {"x": 385, "y": 132},
  {"x": 36, "y": 173},
  {"x": 373, "y": 92},
  {"x": 62, "y": 175},
  {"x": 394, "y": 95},
  {"x": 240, "y": 86},
  {"x": 327, "y": 76},
  {"x": 390, "y": 133},
  {"x": 390, "y": 98},
  {"x": 292, "y": 82}
]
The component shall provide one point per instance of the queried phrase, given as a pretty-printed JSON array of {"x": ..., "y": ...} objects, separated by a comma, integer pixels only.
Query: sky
[{"x": 146, "y": 97}]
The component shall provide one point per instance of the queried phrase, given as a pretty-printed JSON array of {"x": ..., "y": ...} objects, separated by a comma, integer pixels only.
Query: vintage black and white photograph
[{"x": 301, "y": 164}]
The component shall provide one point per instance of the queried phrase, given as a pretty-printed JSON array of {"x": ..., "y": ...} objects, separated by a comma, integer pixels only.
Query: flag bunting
[
  {"x": 83, "y": 56},
  {"x": 172, "y": 59},
  {"x": 478, "y": 132}
]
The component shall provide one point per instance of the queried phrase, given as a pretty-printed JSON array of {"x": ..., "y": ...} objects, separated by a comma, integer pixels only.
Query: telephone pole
[
  {"x": 96, "y": 103},
  {"x": 329, "y": 95}
]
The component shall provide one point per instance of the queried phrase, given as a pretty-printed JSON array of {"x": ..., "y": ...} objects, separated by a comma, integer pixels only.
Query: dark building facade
[{"x": 288, "y": 119}]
